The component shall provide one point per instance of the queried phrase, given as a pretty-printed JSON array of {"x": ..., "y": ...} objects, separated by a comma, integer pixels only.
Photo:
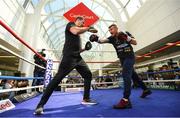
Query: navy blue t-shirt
[{"x": 123, "y": 47}]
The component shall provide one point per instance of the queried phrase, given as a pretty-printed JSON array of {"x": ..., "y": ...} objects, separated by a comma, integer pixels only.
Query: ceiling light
[
  {"x": 147, "y": 56},
  {"x": 138, "y": 56},
  {"x": 169, "y": 43},
  {"x": 177, "y": 44},
  {"x": 172, "y": 44}
]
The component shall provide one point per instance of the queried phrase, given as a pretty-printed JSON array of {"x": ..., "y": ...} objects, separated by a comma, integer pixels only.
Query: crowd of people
[
  {"x": 10, "y": 84},
  {"x": 169, "y": 71}
]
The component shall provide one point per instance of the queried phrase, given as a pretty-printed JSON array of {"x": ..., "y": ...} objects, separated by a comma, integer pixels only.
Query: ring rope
[
  {"x": 41, "y": 86},
  {"x": 146, "y": 81},
  {"x": 13, "y": 53},
  {"x": 19, "y": 78},
  {"x": 174, "y": 70},
  {"x": 19, "y": 89}
]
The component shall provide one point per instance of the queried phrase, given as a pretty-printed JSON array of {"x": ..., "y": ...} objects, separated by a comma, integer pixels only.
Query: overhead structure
[{"x": 109, "y": 11}]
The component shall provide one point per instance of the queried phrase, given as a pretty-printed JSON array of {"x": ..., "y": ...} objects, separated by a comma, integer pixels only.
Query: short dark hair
[
  {"x": 79, "y": 18},
  {"x": 112, "y": 25}
]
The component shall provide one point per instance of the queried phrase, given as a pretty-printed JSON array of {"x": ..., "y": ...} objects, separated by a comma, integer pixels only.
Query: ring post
[{"x": 48, "y": 74}]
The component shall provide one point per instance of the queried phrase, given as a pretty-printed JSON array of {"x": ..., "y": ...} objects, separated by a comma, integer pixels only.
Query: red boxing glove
[{"x": 124, "y": 36}]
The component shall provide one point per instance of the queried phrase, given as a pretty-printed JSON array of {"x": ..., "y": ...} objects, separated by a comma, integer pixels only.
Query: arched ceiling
[{"x": 109, "y": 11}]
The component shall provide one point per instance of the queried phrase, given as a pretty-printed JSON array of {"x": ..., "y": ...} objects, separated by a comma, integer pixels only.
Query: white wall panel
[{"x": 155, "y": 20}]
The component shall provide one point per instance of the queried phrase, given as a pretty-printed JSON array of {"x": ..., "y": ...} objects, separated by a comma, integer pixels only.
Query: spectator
[
  {"x": 2, "y": 84},
  {"x": 108, "y": 79},
  {"x": 9, "y": 85},
  {"x": 70, "y": 81},
  {"x": 177, "y": 84},
  {"x": 93, "y": 84},
  {"x": 39, "y": 72},
  {"x": 171, "y": 64},
  {"x": 20, "y": 83}
]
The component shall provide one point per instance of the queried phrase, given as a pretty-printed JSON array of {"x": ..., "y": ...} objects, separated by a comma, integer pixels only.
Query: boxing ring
[{"x": 162, "y": 103}]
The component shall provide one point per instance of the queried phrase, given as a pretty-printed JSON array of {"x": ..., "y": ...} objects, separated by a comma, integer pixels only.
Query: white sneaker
[
  {"x": 89, "y": 102},
  {"x": 39, "y": 111}
]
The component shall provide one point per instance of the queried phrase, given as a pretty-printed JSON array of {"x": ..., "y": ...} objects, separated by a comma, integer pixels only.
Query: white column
[
  {"x": 31, "y": 35},
  {"x": 26, "y": 52}
]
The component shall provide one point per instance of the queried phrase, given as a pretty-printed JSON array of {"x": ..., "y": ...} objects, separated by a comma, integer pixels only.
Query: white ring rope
[
  {"x": 13, "y": 53},
  {"x": 63, "y": 85},
  {"x": 176, "y": 80},
  {"x": 91, "y": 84},
  {"x": 146, "y": 81},
  {"x": 19, "y": 89}
]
